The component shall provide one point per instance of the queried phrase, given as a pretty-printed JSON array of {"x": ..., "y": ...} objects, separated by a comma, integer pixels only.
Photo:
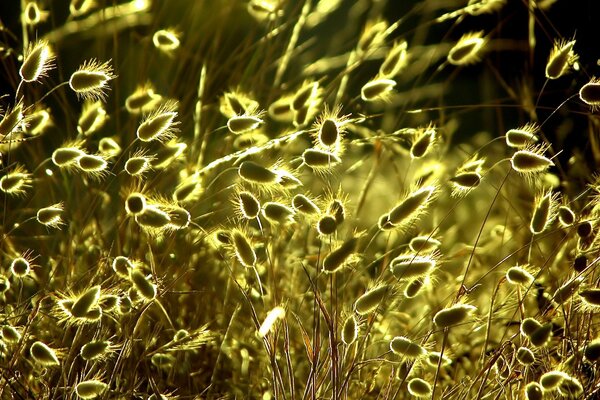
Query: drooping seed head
[
  {"x": 255, "y": 173},
  {"x": 544, "y": 212},
  {"x": 522, "y": 137},
  {"x": 90, "y": 389},
  {"x": 419, "y": 388},
  {"x": 405, "y": 347},
  {"x": 394, "y": 61},
  {"x": 137, "y": 165},
  {"x": 152, "y": 218},
  {"x": 424, "y": 244},
  {"x": 10, "y": 334},
  {"x": 180, "y": 217},
  {"x": 243, "y": 123},
  {"x": 370, "y": 300},
  {"x": 528, "y": 326},
  {"x": 320, "y": 159},
  {"x": 561, "y": 59},
  {"x": 467, "y": 50},
  {"x": 51, "y": 215},
  {"x": 243, "y": 248},
  {"x": 411, "y": 207},
  {"x": 350, "y": 330},
  {"x": 269, "y": 322},
  {"x": 160, "y": 124},
  {"x": 277, "y": 213},
  {"x": 519, "y": 276},
  {"x": 303, "y": 204},
  {"x": 142, "y": 284},
  {"x": 37, "y": 61},
  {"x": 413, "y": 287},
  {"x": 590, "y": 93},
  {"x": 85, "y": 302},
  {"x": 377, "y": 89},
  {"x": 534, "y": 391},
  {"x": 94, "y": 350},
  {"x": 530, "y": 160},
  {"x": 423, "y": 143},
  {"x": 122, "y": 265},
  {"x": 453, "y": 315},
  {"x": 12, "y": 120},
  {"x": 90, "y": 81},
  {"x": 16, "y": 182},
  {"x": 92, "y": 118},
  {"x": 339, "y": 257},
  {"x": 142, "y": 100},
  {"x": 552, "y": 379},
  {"x": 20, "y": 267},
  {"x": 525, "y": 356},
  {"x": 566, "y": 216},
  {"x": 166, "y": 40},
  {"x": 66, "y": 156},
  {"x": 410, "y": 266},
  {"x": 94, "y": 165},
  {"x": 326, "y": 225},
  {"x": 135, "y": 203},
  {"x": 43, "y": 355}
]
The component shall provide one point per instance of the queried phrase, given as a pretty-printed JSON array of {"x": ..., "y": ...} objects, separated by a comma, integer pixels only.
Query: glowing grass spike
[
  {"x": 410, "y": 266},
  {"x": 153, "y": 218},
  {"x": 377, "y": 89},
  {"x": 160, "y": 124},
  {"x": 304, "y": 97},
  {"x": 135, "y": 203},
  {"x": 166, "y": 40},
  {"x": 320, "y": 160},
  {"x": 90, "y": 81},
  {"x": 544, "y": 212},
  {"x": 78, "y": 8},
  {"x": 590, "y": 93},
  {"x": 248, "y": 204},
  {"x": 523, "y": 136},
  {"x": 419, "y": 388},
  {"x": 277, "y": 213},
  {"x": 43, "y": 355},
  {"x": 350, "y": 330},
  {"x": 142, "y": 284},
  {"x": 255, "y": 173},
  {"x": 339, "y": 257},
  {"x": 591, "y": 297},
  {"x": 453, "y": 315},
  {"x": 11, "y": 121},
  {"x": 142, "y": 100},
  {"x": 326, "y": 225},
  {"x": 37, "y": 61},
  {"x": 534, "y": 391},
  {"x": 561, "y": 59},
  {"x": 92, "y": 118},
  {"x": 424, "y": 244},
  {"x": 531, "y": 160},
  {"x": 423, "y": 143},
  {"x": 405, "y": 347},
  {"x": 243, "y": 248},
  {"x": 90, "y": 389},
  {"x": 94, "y": 165},
  {"x": 370, "y": 300},
  {"x": 38, "y": 121},
  {"x": 85, "y": 302},
  {"x": 269, "y": 322},
  {"x": 51, "y": 216},
  {"x": 411, "y": 207},
  {"x": 94, "y": 350},
  {"x": 525, "y": 356},
  {"x": 519, "y": 276},
  {"x": 552, "y": 379},
  {"x": 243, "y": 123},
  {"x": 305, "y": 205},
  {"x": 394, "y": 61},
  {"x": 592, "y": 351},
  {"x": 10, "y": 334},
  {"x": 467, "y": 50},
  {"x": 16, "y": 182}
]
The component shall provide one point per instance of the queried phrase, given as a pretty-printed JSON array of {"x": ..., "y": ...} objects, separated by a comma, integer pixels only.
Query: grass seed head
[
  {"x": 94, "y": 350},
  {"x": 566, "y": 216},
  {"x": 590, "y": 94},
  {"x": 305, "y": 97},
  {"x": 327, "y": 225},
  {"x": 256, "y": 173},
  {"x": 542, "y": 335},
  {"x": 339, "y": 257},
  {"x": 413, "y": 287},
  {"x": 16, "y": 182},
  {"x": 243, "y": 248},
  {"x": 90, "y": 389},
  {"x": 10, "y": 334},
  {"x": 37, "y": 61},
  {"x": 394, "y": 61},
  {"x": 544, "y": 212},
  {"x": 166, "y": 40},
  {"x": 410, "y": 208},
  {"x": 159, "y": 124},
  {"x": 51, "y": 216},
  {"x": 108, "y": 147},
  {"x": 570, "y": 387},
  {"x": 20, "y": 267},
  {"x": 534, "y": 391},
  {"x": 94, "y": 165},
  {"x": 143, "y": 286},
  {"x": 4, "y": 284},
  {"x": 561, "y": 59},
  {"x": 467, "y": 50},
  {"x": 592, "y": 351},
  {"x": 410, "y": 266},
  {"x": 453, "y": 315},
  {"x": 591, "y": 297},
  {"x": 350, "y": 330},
  {"x": 43, "y": 355},
  {"x": 519, "y": 138},
  {"x": 85, "y": 302},
  {"x": 419, "y": 388},
  {"x": 137, "y": 165},
  {"x": 269, "y": 322},
  {"x": 243, "y": 123},
  {"x": 552, "y": 379},
  {"x": 277, "y": 213},
  {"x": 525, "y": 356},
  {"x": 424, "y": 244},
  {"x": 423, "y": 143},
  {"x": 519, "y": 276},
  {"x": 92, "y": 118},
  {"x": 320, "y": 160},
  {"x": 304, "y": 205},
  {"x": 153, "y": 218},
  {"x": 12, "y": 121},
  {"x": 585, "y": 229},
  {"x": 90, "y": 81},
  {"x": 135, "y": 203},
  {"x": 33, "y": 15},
  {"x": 405, "y": 347},
  {"x": 66, "y": 156},
  {"x": 370, "y": 300},
  {"x": 77, "y": 8},
  {"x": 530, "y": 160},
  {"x": 377, "y": 89}
]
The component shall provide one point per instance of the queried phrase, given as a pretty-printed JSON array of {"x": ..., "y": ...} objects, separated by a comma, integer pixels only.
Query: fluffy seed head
[
  {"x": 66, "y": 156},
  {"x": 16, "y": 182},
  {"x": 135, "y": 203},
  {"x": 519, "y": 276},
  {"x": 153, "y": 218},
  {"x": 90, "y": 389},
  {"x": 370, "y": 300},
  {"x": 4, "y": 284},
  {"x": 570, "y": 388},
  {"x": 534, "y": 391},
  {"x": 405, "y": 347},
  {"x": 530, "y": 160},
  {"x": 419, "y": 388},
  {"x": 142, "y": 100},
  {"x": 326, "y": 225},
  {"x": 552, "y": 379},
  {"x": 243, "y": 249},
  {"x": 269, "y": 322},
  {"x": 564, "y": 292},
  {"x": 10, "y": 334},
  {"x": 43, "y": 355},
  {"x": 12, "y": 121},
  {"x": 525, "y": 356},
  {"x": 94, "y": 350},
  {"x": 423, "y": 143},
  {"x": 424, "y": 244},
  {"x": 122, "y": 265},
  {"x": 305, "y": 205},
  {"x": 243, "y": 123},
  {"x": 394, "y": 61},
  {"x": 160, "y": 124},
  {"x": 592, "y": 351},
  {"x": 566, "y": 216},
  {"x": 590, "y": 93},
  {"x": 167, "y": 154},
  {"x": 166, "y": 40},
  {"x": 85, "y": 302},
  {"x": 467, "y": 50},
  {"x": 51, "y": 215},
  {"x": 339, "y": 257},
  {"x": 320, "y": 159},
  {"x": 92, "y": 118},
  {"x": 255, "y": 173},
  {"x": 248, "y": 205},
  {"x": 90, "y": 81},
  {"x": 143, "y": 286},
  {"x": 561, "y": 59},
  {"x": 541, "y": 336},
  {"x": 522, "y": 137},
  {"x": 38, "y": 121},
  {"x": 94, "y": 165},
  {"x": 413, "y": 287},
  {"x": 453, "y": 315},
  {"x": 410, "y": 266},
  {"x": 37, "y": 61},
  {"x": 591, "y": 297},
  {"x": 377, "y": 89},
  {"x": 305, "y": 96},
  {"x": 277, "y": 213},
  {"x": 137, "y": 165},
  {"x": 20, "y": 267},
  {"x": 33, "y": 15},
  {"x": 350, "y": 330},
  {"x": 544, "y": 212},
  {"x": 78, "y": 8},
  {"x": 410, "y": 208}
]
